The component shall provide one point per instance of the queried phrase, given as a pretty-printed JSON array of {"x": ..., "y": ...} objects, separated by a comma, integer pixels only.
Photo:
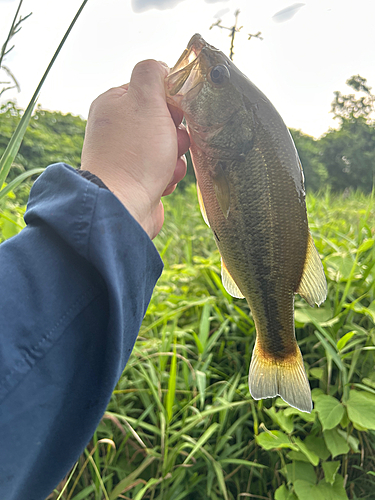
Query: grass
[{"x": 181, "y": 423}]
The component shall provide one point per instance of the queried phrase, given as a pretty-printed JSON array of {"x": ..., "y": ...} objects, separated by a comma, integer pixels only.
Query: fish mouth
[{"x": 184, "y": 74}]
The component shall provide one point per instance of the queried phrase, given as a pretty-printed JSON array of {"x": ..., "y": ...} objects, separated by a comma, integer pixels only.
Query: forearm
[{"x": 77, "y": 282}]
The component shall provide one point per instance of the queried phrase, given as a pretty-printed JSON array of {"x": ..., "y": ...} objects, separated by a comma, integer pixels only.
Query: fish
[{"x": 251, "y": 194}]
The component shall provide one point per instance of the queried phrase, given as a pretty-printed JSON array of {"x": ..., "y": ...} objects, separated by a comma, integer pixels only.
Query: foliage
[
  {"x": 50, "y": 137},
  {"x": 12, "y": 147},
  {"x": 181, "y": 423},
  {"x": 309, "y": 150},
  {"x": 351, "y": 107}
]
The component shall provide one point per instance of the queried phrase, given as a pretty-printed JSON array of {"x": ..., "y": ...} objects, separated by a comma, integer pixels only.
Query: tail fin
[{"x": 285, "y": 378}]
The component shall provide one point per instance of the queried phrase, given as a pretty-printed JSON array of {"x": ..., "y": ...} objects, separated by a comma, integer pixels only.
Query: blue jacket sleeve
[{"x": 74, "y": 287}]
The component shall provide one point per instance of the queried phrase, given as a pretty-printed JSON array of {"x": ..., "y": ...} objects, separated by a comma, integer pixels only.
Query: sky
[{"x": 309, "y": 48}]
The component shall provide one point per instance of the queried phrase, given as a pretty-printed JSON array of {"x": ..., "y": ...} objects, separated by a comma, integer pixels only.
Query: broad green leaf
[
  {"x": 298, "y": 455},
  {"x": 314, "y": 459},
  {"x": 300, "y": 470},
  {"x": 307, "y": 417},
  {"x": 352, "y": 441},
  {"x": 274, "y": 439},
  {"x": 317, "y": 373},
  {"x": 361, "y": 408},
  {"x": 330, "y": 470},
  {"x": 281, "y": 419},
  {"x": 305, "y": 315},
  {"x": 322, "y": 491},
  {"x": 336, "y": 444},
  {"x": 282, "y": 493},
  {"x": 330, "y": 411},
  {"x": 317, "y": 445}
]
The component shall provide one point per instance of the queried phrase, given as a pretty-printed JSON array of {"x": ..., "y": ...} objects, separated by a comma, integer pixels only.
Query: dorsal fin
[
  {"x": 229, "y": 283},
  {"x": 201, "y": 206},
  {"x": 313, "y": 285}
]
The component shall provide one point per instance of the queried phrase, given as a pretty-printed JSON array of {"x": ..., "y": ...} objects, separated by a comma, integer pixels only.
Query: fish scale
[{"x": 251, "y": 193}]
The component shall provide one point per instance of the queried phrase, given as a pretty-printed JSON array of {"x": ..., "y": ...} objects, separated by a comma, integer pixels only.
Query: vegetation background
[{"x": 181, "y": 423}]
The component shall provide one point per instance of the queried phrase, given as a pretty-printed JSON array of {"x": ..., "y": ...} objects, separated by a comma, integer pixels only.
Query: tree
[
  {"x": 51, "y": 137},
  {"x": 349, "y": 152},
  {"x": 309, "y": 151}
]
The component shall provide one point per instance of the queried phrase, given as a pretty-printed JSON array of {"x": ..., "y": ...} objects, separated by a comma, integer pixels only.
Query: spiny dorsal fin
[
  {"x": 313, "y": 285},
  {"x": 201, "y": 206},
  {"x": 229, "y": 283},
  {"x": 221, "y": 188},
  {"x": 273, "y": 377}
]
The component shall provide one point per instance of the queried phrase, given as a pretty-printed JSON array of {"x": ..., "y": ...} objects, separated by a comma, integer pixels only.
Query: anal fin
[
  {"x": 313, "y": 285},
  {"x": 229, "y": 283},
  {"x": 285, "y": 378},
  {"x": 201, "y": 206}
]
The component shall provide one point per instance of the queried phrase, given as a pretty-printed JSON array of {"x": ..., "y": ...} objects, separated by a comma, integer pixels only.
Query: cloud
[
  {"x": 142, "y": 5},
  {"x": 287, "y": 13}
]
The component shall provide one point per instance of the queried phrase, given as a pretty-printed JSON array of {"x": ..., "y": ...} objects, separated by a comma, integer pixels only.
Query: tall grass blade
[{"x": 15, "y": 142}]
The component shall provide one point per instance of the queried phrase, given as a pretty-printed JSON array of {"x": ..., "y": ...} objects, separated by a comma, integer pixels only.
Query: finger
[
  {"x": 147, "y": 81},
  {"x": 176, "y": 114},
  {"x": 169, "y": 190},
  {"x": 178, "y": 174},
  {"x": 183, "y": 140}
]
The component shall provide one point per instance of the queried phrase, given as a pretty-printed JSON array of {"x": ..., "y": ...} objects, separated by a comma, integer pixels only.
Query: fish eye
[{"x": 219, "y": 74}]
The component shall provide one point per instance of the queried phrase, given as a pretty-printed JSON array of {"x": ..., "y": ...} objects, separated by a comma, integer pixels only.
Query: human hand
[{"x": 135, "y": 143}]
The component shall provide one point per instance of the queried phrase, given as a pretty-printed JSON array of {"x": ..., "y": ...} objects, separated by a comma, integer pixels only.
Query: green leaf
[
  {"x": 307, "y": 417},
  {"x": 314, "y": 459},
  {"x": 281, "y": 419},
  {"x": 361, "y": 408},
  {"x": 282, "y": 493},
  {"x": 298, "y": 455},
  {"x": 322, "y": 491},
  {"x": 202, "y": 440},
  {"x": 344, "y": 340},
  {"x": 300, "y": 470},
  {"x": 330, "y": 411},
  {"x": 120, "y": 487},
  {"x": 220, "y": 478},
  {"x": 352, "y": 441},
  {"x": 317, "y": 373},
  {"x": 336, "y": 444},
  {"x": 239, "y": 461},
  {"x": 366, "y": 245},
  {"x": 330, "y": 470},
  {"x": 274, "y": 439},
  {"x": 317, "y": 445},
  {"x": 171, "y": 386},
  {"x": 204, "y": 325},
  {"x": 14, "y": 144},
  {"x": 201, "y": 383},
  {"x": 18, "y": 180}
]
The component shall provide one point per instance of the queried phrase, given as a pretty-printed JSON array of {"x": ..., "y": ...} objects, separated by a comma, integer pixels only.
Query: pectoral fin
[
  {"x": 313, "y": 285},
  {"x": 229, "y": 283},
  {"x": 201, "y": 206},
  {"x": 285, "y": 378},
  {"x": 222, "y": 190}
]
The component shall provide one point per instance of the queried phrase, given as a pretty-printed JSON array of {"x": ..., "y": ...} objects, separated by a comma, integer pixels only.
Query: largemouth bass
[{"x": 251, "y": 193}]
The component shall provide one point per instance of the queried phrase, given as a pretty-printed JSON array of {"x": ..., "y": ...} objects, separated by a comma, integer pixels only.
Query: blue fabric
[{"x": 74, "y": 287}]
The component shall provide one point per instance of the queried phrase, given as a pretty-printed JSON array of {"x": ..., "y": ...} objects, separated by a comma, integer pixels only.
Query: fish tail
[{"x": 285, "y": 377}]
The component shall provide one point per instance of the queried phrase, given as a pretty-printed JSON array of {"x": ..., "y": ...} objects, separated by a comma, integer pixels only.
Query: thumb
[{"x": 147, "y": 82}]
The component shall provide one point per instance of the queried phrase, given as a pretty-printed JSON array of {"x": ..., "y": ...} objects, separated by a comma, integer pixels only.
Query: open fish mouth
[{"x": 183, "y": 74}]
